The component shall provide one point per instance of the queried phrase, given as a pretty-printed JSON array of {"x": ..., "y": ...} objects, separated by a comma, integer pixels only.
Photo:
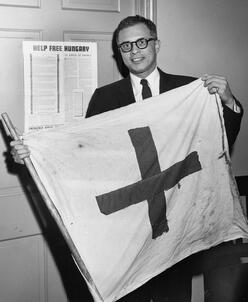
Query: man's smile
[{"x": 137, "y": 59}]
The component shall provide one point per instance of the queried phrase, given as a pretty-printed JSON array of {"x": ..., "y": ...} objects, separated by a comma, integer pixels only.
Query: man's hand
[
  {"x": 219, "y": 84},
  {"x": 19, "y": 151}
]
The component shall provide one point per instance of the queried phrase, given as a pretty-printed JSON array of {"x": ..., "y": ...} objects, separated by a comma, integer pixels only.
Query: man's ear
[{"x": 157, "y": 45}]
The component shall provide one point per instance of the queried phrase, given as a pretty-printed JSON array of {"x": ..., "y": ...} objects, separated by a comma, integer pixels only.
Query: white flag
[{"x": 142, "y": 187}]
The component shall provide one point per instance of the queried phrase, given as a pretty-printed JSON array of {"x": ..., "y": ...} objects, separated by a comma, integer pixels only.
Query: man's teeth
[{"x": 137, "y": 59}]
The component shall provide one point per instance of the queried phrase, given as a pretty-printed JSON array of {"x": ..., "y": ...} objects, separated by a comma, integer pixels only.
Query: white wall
[{"x": 199, "y": 36}]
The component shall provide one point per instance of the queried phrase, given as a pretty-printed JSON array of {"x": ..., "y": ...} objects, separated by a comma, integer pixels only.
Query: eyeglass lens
[{"x": 140, "y": 43}]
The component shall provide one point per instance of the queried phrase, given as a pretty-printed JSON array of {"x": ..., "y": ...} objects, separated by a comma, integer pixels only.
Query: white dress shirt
[{"x": 153, "y": 83}]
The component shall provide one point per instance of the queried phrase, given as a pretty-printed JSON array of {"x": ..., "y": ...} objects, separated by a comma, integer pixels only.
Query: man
[{"x": 138, "y": 44}]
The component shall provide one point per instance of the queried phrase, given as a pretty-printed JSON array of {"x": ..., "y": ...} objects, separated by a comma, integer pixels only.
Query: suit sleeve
[
  {"x": 92, "y": 108},
  {"x": 103, "y": 99},
  {"x": 232, "y": 123}
]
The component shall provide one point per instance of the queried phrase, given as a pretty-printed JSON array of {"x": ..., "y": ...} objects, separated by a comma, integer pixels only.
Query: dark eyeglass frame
[{"x": 136, "y": 43}]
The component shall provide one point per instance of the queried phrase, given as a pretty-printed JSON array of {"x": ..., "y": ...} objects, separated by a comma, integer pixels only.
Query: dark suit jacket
[{"x": 120, "y": 93}]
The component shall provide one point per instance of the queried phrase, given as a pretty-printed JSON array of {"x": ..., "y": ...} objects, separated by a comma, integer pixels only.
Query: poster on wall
[{"x": 59, "y": 80}]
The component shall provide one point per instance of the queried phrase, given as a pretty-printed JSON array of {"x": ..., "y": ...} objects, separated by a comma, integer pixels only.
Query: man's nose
[{"x": 135, "y": 49}]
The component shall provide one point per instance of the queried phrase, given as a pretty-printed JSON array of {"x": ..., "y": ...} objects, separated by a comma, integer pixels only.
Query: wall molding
[
  {"x": 21, "y": 3},
  {"x": 11, "y": 191},
  {"x": 100, "y": 5},
  {"x": 87, "y": 35},
  {"x": 16, "y": 33},
  {"x": 147, "y": 9}
]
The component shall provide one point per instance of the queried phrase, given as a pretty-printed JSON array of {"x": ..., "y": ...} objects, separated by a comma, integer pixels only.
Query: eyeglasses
[{"x": 140, "y": 43}]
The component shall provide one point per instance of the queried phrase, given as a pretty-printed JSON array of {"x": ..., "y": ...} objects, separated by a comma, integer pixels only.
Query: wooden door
[{"x": 35, "y": 262}]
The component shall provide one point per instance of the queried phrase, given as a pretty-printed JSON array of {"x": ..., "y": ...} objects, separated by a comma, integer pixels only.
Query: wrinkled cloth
[{"x": 142, "y": 187}]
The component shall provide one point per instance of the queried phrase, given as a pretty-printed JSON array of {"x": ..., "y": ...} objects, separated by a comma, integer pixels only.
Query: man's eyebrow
[
  {"x": 125, "y": 42},
  {"x": 133, "y": 41}
]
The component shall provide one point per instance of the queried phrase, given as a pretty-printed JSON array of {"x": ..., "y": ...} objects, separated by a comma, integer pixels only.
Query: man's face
[{"x": 140, "y": 62}]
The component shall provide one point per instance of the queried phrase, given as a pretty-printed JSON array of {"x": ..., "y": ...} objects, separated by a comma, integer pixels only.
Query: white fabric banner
[{"x": 142, "y": 187}]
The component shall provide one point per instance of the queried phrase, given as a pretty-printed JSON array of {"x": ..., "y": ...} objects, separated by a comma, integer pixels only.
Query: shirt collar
[{"x": 153, "y": 81}]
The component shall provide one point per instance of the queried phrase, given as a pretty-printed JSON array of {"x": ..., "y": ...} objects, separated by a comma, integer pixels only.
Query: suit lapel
[
  {"x": 165, "y": 83},
  {"x": 126, "y": 96},
  {"x": 169, "y": 82}
]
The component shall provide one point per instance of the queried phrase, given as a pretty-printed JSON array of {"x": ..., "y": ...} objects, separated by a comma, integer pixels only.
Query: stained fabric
[{"x": 142, "y": 187}]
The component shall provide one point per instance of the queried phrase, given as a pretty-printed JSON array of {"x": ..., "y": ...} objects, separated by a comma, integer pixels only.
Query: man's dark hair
[{"x": 133, "y": 20}]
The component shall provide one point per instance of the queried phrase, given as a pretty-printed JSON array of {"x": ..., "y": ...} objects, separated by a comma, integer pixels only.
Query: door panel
[
  {"x": 21, "y": 278},
  {"x": 106, "y": 66}
]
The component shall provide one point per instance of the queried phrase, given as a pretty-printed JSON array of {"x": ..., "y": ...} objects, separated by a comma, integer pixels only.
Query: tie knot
[{"x": 144, "y": 82}]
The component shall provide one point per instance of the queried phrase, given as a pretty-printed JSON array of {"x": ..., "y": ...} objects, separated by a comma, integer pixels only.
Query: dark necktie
[{"x": 146, "y": 91}]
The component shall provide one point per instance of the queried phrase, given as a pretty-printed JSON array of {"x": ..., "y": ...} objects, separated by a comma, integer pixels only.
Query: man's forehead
[{"x": 133, "y": 33}]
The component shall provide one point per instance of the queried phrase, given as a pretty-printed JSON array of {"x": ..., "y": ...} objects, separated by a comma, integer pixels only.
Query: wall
[{"x": 199, "y": 37}]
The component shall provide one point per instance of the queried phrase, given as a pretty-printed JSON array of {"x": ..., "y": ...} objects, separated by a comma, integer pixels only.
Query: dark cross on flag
[{"x": 153, "y": 182}]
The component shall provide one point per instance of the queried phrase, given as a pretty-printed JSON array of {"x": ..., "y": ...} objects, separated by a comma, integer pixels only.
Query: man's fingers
[
  {"x": 18, "y": 160},
  {"x": 15, "y": 143},
  {"x": 214, "y": 87},
  {"x": 212, "y": 77},
  {"x": 19, "y": 151},
  {"x": 213, "y": 90},
  {"x": 217, "y": 82}
]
